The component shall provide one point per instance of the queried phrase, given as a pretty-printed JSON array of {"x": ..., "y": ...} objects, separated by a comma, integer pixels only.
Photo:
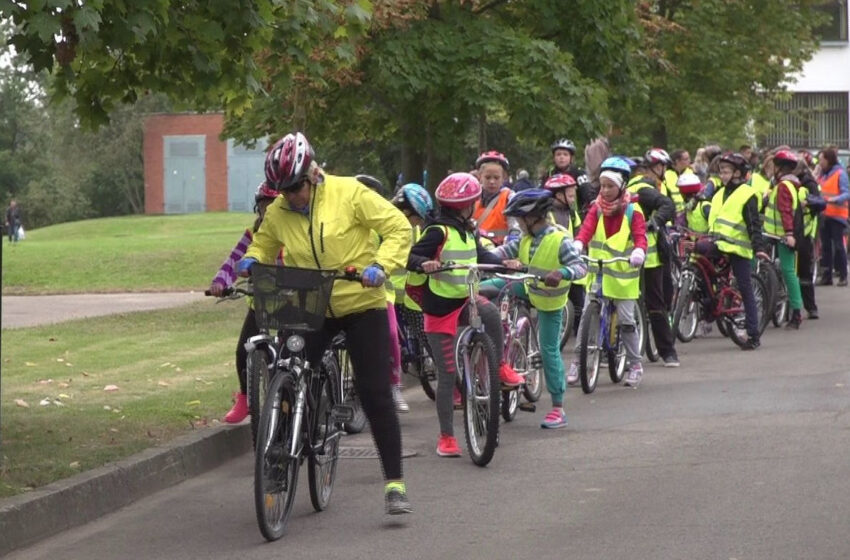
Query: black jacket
[{"x": 586, "y": 191}]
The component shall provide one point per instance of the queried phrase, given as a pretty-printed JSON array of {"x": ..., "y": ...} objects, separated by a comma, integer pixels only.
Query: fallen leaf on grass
[
  {"x": 45, "y": 381},
  {"x": 63, "y": 385},
  {"x": 44, "y": 402},
  {"x": 165, "y": 364},
  {"x": 64, "y": 396},
  {"x": 178, "y": 370},
  {"x": 22, "y": 403},
  {"x": 51, "y": 339},
  {"x": 69, "y": 364},
  {"x": 58, "y": 402},
  {"x": 75, "y": 465},
  {"x": 116, "y": 410},
  {"x": 60, "y": 359},
  {"x": 85, "y": 373},
  {"x": 113, "y": 430},
  {"x": 107, "y": 407},
  {"x": 162, "y": 384},
  {"x": 193, "y": 403},
  {"x": 29, "y": 364},
  {"x": 110, "y": 388}
]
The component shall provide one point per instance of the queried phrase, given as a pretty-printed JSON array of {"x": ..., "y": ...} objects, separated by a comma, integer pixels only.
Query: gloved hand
[
  {"x": 553, "y": 278},
  {"x": 512, "y": 236},
  {"x": 637, "y": 257},
  {"x": 578, "y": 245},
  {"x": 244, "y": 267},
  {"x": 373, "y": 276}
]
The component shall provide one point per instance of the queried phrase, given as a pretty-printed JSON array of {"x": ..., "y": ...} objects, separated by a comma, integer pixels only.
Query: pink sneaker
[
  {"x": 458, "y": 400},
  {"x": 508, "y": 376},
  {"x": 239, "y": 410},
  {"x": 556, "y": 418},
  {"x": 447, "y": 446}
]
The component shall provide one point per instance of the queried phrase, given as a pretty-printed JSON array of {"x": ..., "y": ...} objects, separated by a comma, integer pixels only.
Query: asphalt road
[
  {"x": 732, "y": 456},
  {"x": 29, "y": 311}
]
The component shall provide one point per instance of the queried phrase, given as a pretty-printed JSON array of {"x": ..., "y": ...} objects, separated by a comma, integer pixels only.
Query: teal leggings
[
  {"x": 788, "y": 264},
  {"x": 548, "y": 336}
]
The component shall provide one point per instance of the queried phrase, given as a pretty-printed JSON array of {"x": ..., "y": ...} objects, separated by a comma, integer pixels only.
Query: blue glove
[
  {"x": 373, "y": 276},
  {"x": 243, "y": 267},
  {"x": 512, "y": 236}
]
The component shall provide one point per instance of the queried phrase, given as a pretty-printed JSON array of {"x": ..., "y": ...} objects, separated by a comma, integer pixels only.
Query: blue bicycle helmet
[
  {"x": 416, "y": 197},
  {"x": 618, "y": 164},
  {"x": 534, "y": 202}
]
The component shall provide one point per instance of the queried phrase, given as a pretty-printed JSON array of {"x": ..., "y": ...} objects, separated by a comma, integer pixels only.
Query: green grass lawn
[
  {"x": 173, "y": 368},
  {"x": 131, "y": 253}
]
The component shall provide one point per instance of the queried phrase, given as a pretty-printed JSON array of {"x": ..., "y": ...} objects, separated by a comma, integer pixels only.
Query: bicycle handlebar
[
  {"x": 497, "y": 268},
  {"x": 350, "y": 274},
  {"x": 604, "y": 261}
]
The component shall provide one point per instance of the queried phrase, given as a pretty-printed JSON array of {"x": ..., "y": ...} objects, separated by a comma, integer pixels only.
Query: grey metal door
[
  {"x": 244, "y": 173},
  {"x": 185, "y": 176}
]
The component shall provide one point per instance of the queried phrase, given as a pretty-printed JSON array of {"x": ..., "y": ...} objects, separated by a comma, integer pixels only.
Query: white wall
[{"x": 828, "y": 70}]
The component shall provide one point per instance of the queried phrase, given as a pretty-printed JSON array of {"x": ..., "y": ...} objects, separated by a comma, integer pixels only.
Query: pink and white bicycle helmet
[
  {"x": 288, "y": 162},
  {"x": 458, "y": 190}
]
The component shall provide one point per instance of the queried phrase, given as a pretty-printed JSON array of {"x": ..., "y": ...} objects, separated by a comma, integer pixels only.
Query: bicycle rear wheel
[
  {"x": 481, "y": 395},
  {"x": 736, "y": 325},
  {"x": 533, "y": 386},
  {"x": 258, "y": 384},
  {"x": 589, "y": 350},
  {"x": 782, "y": 308},
  {"x": 349, "y": 395},
  {"x": 649, "y": 345},
  {"x": 275, "y": 472},
  {"x": 323, "y": 461},
  {"x": 510, "y": 404},
  {"x": 427, "y": 373},
  {"x": 686, "y": 312}
]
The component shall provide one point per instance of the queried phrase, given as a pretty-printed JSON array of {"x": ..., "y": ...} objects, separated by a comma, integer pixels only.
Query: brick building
[{"x": 188, "y": 168}]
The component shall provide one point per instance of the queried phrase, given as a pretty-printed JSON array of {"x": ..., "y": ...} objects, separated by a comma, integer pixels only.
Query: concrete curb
[{"x": 74, "y": 501}]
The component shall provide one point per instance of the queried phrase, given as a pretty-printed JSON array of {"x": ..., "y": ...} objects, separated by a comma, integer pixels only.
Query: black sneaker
[
  {"x": 397, "y": 502},
  {"x": 842, "y": 282},
  {"x": 671, "y": 361},
  {"x": 751, "y": 344},
  {"x": 813, "y": 314},
  {"x": 795, "y": 321}
]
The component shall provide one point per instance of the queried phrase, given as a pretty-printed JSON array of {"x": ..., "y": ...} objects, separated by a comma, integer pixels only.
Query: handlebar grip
[{"x": 226, "y": 292}]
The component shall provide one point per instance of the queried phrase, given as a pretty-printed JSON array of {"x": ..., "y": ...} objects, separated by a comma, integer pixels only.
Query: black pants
[
  {"x": 249, "y": 329},
  {"x": 656, "y": 307},
  {"x": 576, "y": 296},
  {"x": 805, "y": 268},
  {"x": 833, "y": 254},
  {"x": 367, "y": 339},
  {"x": 743, "y": 270}
]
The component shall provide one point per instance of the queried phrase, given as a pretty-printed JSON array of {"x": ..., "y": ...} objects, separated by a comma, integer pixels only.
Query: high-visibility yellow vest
[
  {"x": 572, "y": 226},
  {"x": 653, "y": 260},
  {"x": 726, "y": 221},
  {"x": 399, "y": 279},
  {"x": 772, "y": 216},
  {"x": 761, "y": 185},
  {"x": 810, "y": 220},
  {"x": 452, "y": 283},
  {"x": 696, "y": 216},
  {"x": 619, "y": 280},
  {"x": 670, "y": 178},
  {"x": 545, "y": 260}
]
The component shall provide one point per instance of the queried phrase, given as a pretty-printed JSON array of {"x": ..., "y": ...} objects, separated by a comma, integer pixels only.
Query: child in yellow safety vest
[
  {"x": 696, "y": 208},
  {"x": 546, "y": 250},
  {"x": 452, "y": 237}
]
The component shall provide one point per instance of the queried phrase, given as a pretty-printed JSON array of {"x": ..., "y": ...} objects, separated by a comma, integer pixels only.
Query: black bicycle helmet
[{"x": 531, "y": 202}]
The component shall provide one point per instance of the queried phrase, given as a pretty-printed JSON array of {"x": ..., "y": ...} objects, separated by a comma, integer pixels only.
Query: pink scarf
[{"x": 614, "y": 207}]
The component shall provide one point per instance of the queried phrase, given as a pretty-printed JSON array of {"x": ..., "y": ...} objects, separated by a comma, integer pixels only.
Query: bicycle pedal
[
  {"x": 342, "y": 413},
  {"x": 528, "y": 407},
  {"x": 536, "y": 362}
]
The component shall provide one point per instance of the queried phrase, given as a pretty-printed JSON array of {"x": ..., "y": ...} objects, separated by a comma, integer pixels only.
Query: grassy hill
[{"x": 126, "y": 254}]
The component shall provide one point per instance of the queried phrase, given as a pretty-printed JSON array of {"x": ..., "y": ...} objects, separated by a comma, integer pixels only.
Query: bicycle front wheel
[
  {"x": 589, "y": 351},
  {"x": 686, "y": 312},
  {"x": 323, "y": 461},
  {"x": 275, "y": 471},
  {"x": 481, "y": 395},
  {"x": 533, "y": 386}
]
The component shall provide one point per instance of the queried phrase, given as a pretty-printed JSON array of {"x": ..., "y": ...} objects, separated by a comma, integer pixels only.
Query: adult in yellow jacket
[{"x": 326, "y": 222}]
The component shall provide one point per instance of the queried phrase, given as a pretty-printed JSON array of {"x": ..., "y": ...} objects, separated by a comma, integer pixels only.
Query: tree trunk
[
  {"x": 482, "y": 131},
  {"x": 659, "y": 137}
]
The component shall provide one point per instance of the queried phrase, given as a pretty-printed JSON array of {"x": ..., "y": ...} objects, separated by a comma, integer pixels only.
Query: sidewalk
[{"x": 30, "y": 311}]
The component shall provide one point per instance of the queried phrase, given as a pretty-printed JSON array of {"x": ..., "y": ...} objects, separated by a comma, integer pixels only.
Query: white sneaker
[
  {"x": 400, "y": 404},
  {"x": 634, "y": 377},
  {"x": 572, "y": 375}
]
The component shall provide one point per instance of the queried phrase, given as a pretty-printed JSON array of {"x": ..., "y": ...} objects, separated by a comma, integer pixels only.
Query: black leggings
[
  {"x": 249, "y": 329},
  {"x": 367, "y": 339},
  {"x": 805, "y": 271}
]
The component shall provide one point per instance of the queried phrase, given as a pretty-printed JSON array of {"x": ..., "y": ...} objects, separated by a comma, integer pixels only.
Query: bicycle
[
  {"x": 770, "y": 271},
  {"x": 721, "y": 300},
  {"x": 416, "y": 356},
  {"x": 477, "y": 360},
  {"x": 303, "y": 413},
  {"x": 687, "y": 313},
  {"x": 599, "y": 332},
  {"x": 339, "y": 364},
  {"x": 521, "y": 348},
  {"x": 262, "y": 352}
]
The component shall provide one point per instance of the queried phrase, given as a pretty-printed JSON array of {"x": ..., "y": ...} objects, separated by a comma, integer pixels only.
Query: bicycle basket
[{"x": 289, "y": 298}]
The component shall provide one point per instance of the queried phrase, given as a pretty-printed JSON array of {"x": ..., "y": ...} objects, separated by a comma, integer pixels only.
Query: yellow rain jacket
[{"x": 337, "y": 233}]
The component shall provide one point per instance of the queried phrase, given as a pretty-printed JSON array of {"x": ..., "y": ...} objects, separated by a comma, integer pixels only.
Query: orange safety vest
[
  {"x": 490, "y": 217},
  {"x": 829, "y": 187}
]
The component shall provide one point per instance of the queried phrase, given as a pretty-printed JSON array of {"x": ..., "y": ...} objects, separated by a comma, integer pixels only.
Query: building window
[
  {"x": 812, "y": 120},
  {"x": 836, "y": 28}
]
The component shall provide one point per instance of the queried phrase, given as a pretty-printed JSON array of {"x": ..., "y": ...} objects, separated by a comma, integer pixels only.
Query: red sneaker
[
  {"x": 447, "y": 446},
  {"x": 508, "y": 376},
  {"x": 239, "y": 410}
]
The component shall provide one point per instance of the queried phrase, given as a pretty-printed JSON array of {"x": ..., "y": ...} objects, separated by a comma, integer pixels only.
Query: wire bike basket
[{"x": 290, "y": 298}]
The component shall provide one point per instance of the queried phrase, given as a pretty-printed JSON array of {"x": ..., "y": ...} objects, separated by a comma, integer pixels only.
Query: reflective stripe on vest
[
  {"x": 762, "y": 186},
  {"x": 772, "y": 217},
  {"x": 670, "y": 179},
  {"x": 490, "y": 217},
  {"x": 726, "y": 221},
  {"x": 545, "y": 260},
  {"x": 619, "y": 280},
  {"x": 452, "y": 283},
  {"x": 652, "y": 258},
  {"x": 831, "y": 187}
]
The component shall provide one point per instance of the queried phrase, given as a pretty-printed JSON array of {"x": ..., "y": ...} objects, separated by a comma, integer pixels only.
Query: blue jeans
[{"x": 833, "y": 253}]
